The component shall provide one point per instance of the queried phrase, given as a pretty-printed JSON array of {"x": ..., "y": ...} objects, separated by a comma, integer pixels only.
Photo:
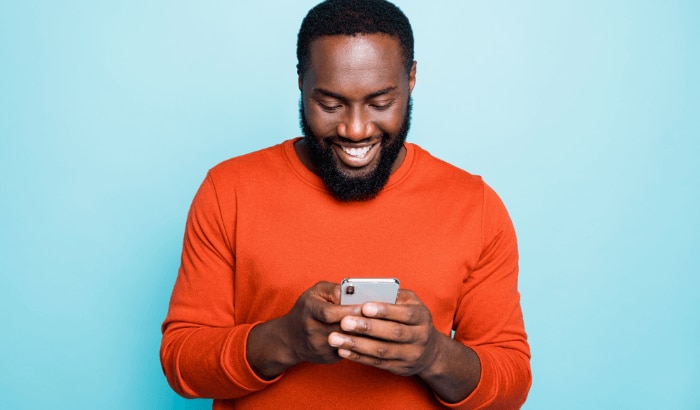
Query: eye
[
  {"x": 382, "y": 105},
  {"x": 329, "y": 107}
]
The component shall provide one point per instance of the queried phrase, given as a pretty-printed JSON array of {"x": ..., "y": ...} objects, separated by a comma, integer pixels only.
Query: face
[{"x": 355, "y": 112}]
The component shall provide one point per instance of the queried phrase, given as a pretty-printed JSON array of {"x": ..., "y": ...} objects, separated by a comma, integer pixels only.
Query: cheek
[
  {"x": 320, "y": 123},
  {"x": 391, "y": 124}
]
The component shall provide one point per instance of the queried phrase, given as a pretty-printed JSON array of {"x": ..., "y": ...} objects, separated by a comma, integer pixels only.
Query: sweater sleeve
[
  {"x": 203, "y": 350},
  {"x": 489, "y": 318}
]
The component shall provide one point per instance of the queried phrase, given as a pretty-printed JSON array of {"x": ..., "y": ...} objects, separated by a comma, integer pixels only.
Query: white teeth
[{"x": 357, "y": 152}]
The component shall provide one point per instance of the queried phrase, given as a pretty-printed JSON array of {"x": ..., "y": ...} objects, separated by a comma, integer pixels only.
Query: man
[{"x": 255, "y": 319}]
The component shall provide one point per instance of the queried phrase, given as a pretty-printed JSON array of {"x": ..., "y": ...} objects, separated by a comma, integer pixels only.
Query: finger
[
  {"x": 394, "y": 358},
  {"x": 393, "y": 365},
  {"x": 406, "y": 296},
  {"x": 322, "y": 303},
  {"x": 327, "y": 291},
  {"x": 409, "y": 314},
  {"x": 329, "y": 313},
  {"x": 380, "y": 329},
  {"x": 362, "y": 346}
]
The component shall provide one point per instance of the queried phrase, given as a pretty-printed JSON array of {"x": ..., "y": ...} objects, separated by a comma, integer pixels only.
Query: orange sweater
[{"x": 262, "y": 229}]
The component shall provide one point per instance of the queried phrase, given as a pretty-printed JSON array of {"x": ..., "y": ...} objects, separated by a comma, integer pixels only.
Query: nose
[{"x": 356, "y": 125}]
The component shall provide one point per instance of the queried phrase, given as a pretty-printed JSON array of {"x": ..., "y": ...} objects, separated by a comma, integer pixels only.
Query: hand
[
  {"x": 300, "y": 335},
  {"x": 399, "y": 338},
  {"x": 314, "y": 316}
]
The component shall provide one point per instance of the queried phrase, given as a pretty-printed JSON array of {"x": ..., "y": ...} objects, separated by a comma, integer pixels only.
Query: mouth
[
  {"x": 357, "y": 152},
  {"x": 356, "y": 156}
]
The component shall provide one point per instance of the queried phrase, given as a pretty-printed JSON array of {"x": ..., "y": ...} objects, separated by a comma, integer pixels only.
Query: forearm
[
  {"x": 482, "y": 377},
  {"x": 208, "y": 362},
  {"x": 455, "y": 371},
  {"x": 505, "y": 378},
  {"x": 479, "y": 377},
  {"x": 268, "y": 352}
]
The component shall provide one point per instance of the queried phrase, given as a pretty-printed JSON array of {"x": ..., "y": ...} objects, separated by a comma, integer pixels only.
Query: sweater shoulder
[
  {"x": 249, "y": 163},
  {"x": 440, "y": 172}
]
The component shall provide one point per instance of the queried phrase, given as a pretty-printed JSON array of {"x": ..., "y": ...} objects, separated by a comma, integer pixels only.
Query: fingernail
[
  {"x": 348, "y": 324},
  {"x": 370, "y": 310},
  {"x": 343, "y": 353},
  {"x": 335, "y": 340}
]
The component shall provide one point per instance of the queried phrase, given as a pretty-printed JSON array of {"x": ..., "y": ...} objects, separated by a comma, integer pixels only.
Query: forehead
[{"x": 354, "y": 61}]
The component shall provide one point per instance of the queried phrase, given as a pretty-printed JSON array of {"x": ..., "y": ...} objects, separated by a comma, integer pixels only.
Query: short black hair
[{"x": 351, "y": 17}]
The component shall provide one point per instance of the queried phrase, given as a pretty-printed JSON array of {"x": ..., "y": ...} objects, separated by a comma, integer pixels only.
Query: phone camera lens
[{"x": 350, "y": 290}]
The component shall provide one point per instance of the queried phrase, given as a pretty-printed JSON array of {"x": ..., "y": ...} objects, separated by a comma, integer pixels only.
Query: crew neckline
[{"x": 315, "y": 181}]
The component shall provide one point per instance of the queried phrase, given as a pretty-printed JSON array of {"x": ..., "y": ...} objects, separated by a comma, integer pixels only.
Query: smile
[
  {"x": 357, "y": 157},
  {"x": 357, "y": 152}
]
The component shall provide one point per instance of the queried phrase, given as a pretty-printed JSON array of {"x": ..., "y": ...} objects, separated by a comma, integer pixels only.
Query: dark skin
[{"x": 355, "y": 89}]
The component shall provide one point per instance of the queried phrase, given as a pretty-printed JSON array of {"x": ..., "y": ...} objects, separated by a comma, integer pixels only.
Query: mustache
[{"x": 384, "y": 137}]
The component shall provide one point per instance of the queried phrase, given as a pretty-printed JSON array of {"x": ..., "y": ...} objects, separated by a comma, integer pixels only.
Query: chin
[{"x": 355, "y": 173}]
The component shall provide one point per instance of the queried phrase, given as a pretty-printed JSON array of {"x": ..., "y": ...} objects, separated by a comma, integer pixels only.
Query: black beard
[{"x": 343, "y": 187}]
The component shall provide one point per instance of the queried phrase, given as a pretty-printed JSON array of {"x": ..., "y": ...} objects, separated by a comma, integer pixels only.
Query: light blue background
[{"x": 584, "y": 116}]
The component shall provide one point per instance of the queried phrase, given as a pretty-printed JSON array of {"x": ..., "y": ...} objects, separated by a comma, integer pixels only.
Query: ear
[
  {"x": 412, "y": 77},
  {"x": 299, "y": 79}
]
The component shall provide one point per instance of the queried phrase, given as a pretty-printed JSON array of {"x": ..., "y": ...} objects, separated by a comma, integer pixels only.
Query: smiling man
[
  {"x": 355, "y": 112},
  {"x": 255, "y": 319}
]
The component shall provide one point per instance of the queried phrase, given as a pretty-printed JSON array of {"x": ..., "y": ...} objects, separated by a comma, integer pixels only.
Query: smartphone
[{"x": 355, "y": 291}]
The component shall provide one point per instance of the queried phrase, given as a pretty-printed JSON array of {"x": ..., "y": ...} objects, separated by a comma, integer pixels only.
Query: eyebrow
[{"x": 337, "y": 96}]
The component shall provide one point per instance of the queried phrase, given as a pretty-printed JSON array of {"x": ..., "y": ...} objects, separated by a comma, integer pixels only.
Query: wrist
[
  {"x": 267, "y": 351},
  {"x": 435, "y": 363},
  {"x": 454, "y": 372}
]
